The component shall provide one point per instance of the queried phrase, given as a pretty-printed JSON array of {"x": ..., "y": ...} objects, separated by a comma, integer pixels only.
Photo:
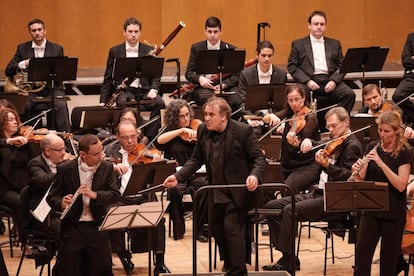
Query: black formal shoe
[
  {"x": 2, "y": 227},
  {"x": 202, "y": 238},
  {"x": 282, "y": 266},
  {"x": 161, "y": 269},
  {"x": 402, "y": 266},
  {"x": 127, "y": 264}
]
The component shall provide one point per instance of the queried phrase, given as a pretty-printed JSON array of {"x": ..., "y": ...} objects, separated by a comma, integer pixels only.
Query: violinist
[
  {"x": 128, "y": 143},
  {"x": 389, "y": 162},
  {"x": 335, "y": 162},
  {"x": 374, "y": 105},
  {"x": 15, "y": 153},
  {"x": 178, "y": 142}
]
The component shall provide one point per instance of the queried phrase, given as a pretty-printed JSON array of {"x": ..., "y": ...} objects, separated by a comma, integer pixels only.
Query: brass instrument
[
  {"x": 364, "y": 161},
  {"x": 20, "y": 85}
]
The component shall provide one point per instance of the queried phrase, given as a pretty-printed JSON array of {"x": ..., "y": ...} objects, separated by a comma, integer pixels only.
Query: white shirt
[
  {"x": 264, "y": 77},
  {"x": 50, "y": 164},
  {"x": 125, "y": 177},
  {"x": 132, "y": 52},
  {"x": 86, "y": 175},
  {"x": 214, "y": 47},
  {"x": 319, "y": 56},
  {"x": 39, "y": 52}
]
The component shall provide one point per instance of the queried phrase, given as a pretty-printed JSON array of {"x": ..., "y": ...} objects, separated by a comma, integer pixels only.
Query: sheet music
[{"x": 43, "y": 209}]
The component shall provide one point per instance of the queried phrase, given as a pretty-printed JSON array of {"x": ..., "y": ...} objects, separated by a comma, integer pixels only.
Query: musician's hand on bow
[
  {"x": 205, "y": 82},
  {"x": 409, "y": 133},
  {"x": 271, "y": 119},
  {"x": 281, "y": 128},
  {"x": 251, "y": 183},
  {"x": 86, "y": 190},
  {"x": 152, "y": 94},
  {"x": 321, "y": 159},
  {"x": 312, "y": 85},
  {"x": 254, "y": 123},
  {"x": 330, "y": 86},
  {"x": 120, "y": 168},
  {"x": 170, "y": 182},
  {"x": 306, "y": 145},
  {"x": 17, "y": 141}
]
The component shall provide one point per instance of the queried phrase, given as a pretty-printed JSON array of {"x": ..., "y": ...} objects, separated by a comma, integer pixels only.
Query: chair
[
  {"x": 335, "y": 224},
  {"x": 8, "y": 213}
]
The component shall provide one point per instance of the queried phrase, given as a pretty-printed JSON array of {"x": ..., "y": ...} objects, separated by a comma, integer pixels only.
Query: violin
[
  {"x": 297, "y": 123},
  {"x": 384, "y": 107},
  {"x": 141, "y": 155},
  {"x": 193, "y": 125}
]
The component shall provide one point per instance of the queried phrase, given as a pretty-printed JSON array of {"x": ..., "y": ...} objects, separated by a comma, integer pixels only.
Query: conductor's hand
[
  {"x": 251, "y": 183},
  {"x": 170, "y": 182}
]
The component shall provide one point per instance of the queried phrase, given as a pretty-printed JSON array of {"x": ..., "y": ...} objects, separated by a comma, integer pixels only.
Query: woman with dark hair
[
  {"x": 178, "y": 143},
  {"x": 387, "y": 160}
]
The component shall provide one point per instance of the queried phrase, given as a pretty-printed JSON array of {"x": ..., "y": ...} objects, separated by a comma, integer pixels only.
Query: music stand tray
[
  {"x": 99, "y": 118},
  {"x": 265, "y": 96},
  {"x": 220, "y": 61},
  {"x": 56, "y": 68},
  {"x": 364, "y": 59},
  {"x": 344, "y": 196},
  {"x": 142, "y": 176},
  {"x": 147, "y": 66}
]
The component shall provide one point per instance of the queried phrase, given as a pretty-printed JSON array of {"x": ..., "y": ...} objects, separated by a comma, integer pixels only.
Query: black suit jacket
[
  {"x": 191, "y": 74},
  {"x": 104, "y": 183},
  {"x": 300, "y": 61},
  {"x": 242, "y": 157},
  {"x": 250, "y": 76},
  {"x": 25, "y": 51},
  {"x": 407, "y": 53},
  {"x": 119, "y": 51}
]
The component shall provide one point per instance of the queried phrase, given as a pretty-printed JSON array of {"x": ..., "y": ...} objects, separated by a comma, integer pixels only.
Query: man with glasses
[
  {"x": 128, "y": 142},
  {"x": 335, "y": 162},
  {"x": 83, "y": 249}
]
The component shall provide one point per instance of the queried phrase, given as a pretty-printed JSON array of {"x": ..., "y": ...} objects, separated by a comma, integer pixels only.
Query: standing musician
[
  {"x": 264, "y": 73},
  {"x": 315, "y": 61},
  {"x": 178, "y": 142},
  {"x": 390, "y": 162},
  {"x": 209, "y": 84},
  {"x": 406, "y": 86},
  {"x": 300, "y": 169},
  {"x": 40, "y": 47},
  {"x": 374, "y": 105},
  {"x": 127, "y": 136},
  {"x": 230, "y": 151},
  {"x": 86, "y": 186},
  {"x": 142, "y": 88},
  {"x": 335, "y": 160},
  {"x": 15, "y": 153}
]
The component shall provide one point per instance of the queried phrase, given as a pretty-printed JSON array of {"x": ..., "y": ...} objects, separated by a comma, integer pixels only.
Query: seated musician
[
  {"x": 142, "y": 88},
  {"x": 263, "y": 73},
  {"x": 40, "y": 47},
  {"x": 127, "y": 137},
  {"x": 207, "y": 85},
  {"x": 374, "y": 105},
  {"x": 335, "y": 161},
  {"x": 15, "y": 153},
  {"x": 178, "y": 142}
]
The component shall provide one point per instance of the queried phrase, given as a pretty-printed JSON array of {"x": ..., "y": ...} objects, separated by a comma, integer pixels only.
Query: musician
[
  {"x": 142, "y": 88},
  {"x": 406, "y": 86},
  {"x": 335, "y": 161},
  {"x": 388, "y": 162},
  {"x": 83, "y": 250},
  {"x": 374, "y": 105},
  {"x": 230, "y": 151},
  {"x": 127, "y": 137},
  {"x": 208, "y": 84},
  {"x": 15, "y": 153},
  {"x": 263, "y": 73},
  {"x": 315, "y": 62},
  {"x": 178, "y": 142},
  {"x": 43, "y": 170},
  {"x": 40, "y": 47}
]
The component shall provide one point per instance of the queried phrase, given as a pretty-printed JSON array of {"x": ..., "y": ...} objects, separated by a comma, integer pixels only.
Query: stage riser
[{"x": 256, "y": 273}]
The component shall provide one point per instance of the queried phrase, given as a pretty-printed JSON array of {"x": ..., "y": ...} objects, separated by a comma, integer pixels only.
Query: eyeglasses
[
  {"x": 333, "y": 125},
  {"x": 126, "y": 138},
  {"x": 61, "y": 149}
]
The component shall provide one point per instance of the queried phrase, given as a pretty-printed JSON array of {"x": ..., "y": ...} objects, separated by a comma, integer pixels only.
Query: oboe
[{"x": 364, "y": 161}]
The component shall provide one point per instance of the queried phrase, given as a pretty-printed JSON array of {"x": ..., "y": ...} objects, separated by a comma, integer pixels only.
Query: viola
[
  {"x": 384, "y": 107},
  {"x": 193, "y": 125},
  {"x": 297, "y": 123},
  {"x": 141, "y": 155}
]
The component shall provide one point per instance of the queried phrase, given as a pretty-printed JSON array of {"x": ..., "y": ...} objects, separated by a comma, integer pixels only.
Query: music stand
[
  {"x": 52, "y": 69},
  {"x": 229, "y": 61},
  {"x": 99, "y": 117},
  {"x": 19, "y": 101},
  {"x": 265, "y": 96},
  {"x": 368, "y": 135},
  {"x": 354, "y": 197},
  {"x": 364, "y": 60},
  {"x": 142, "y": 176}
]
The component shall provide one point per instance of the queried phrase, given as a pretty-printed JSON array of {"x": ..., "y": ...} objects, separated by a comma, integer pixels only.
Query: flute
[{"x": 364, "y": 161}]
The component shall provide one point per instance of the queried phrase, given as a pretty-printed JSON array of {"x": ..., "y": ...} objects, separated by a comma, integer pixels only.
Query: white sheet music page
[{"x": 43, "y": 209}]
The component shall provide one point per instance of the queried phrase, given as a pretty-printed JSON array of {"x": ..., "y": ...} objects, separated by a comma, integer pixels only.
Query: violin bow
[
  {"x": 33, "y": 127},
  {"x": 44, "y": 112},
  {"x": 149, "y": 122},
  {"x": 340, "y": 137},
  {"x": 291, "y": 119}
]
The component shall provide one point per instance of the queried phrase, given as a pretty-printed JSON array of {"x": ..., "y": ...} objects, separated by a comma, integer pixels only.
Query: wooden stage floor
[{"x": 178, "y": 257}]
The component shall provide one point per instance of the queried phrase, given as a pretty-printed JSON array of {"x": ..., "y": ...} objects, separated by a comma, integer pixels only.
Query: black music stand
[
  {"x": 139, "y": 67},
  {"x": 229, "y": 61},
  {"x": 52, "y": 69},
  {"x": 99, "y": 117},
  {"x": 265, "y": 96},
  {"x": 364, "y": 60},
  {"x": 355, "y": 197}
]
